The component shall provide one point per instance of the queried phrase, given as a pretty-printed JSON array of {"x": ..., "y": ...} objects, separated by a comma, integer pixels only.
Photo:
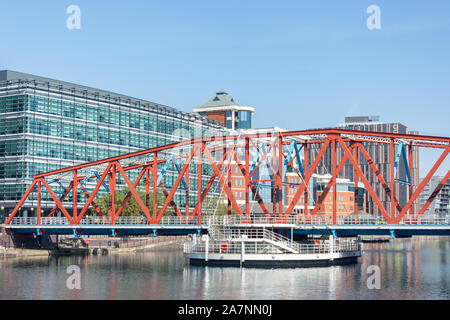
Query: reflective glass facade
[{"x": 47, "y": 124}]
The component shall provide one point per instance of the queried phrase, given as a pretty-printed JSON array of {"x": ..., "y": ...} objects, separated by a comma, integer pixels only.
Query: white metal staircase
[{"x": 283, "y": 244}]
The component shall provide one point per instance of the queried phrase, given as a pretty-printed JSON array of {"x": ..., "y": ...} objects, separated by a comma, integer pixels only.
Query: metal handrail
[
  {"x": 252, "y": 246},
  {"x": 225, "y": 220}
]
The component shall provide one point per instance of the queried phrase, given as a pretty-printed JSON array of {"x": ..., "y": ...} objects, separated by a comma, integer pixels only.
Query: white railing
[
  {"x": 225, "y": 220},
  {"x": 258, "y": 247}
]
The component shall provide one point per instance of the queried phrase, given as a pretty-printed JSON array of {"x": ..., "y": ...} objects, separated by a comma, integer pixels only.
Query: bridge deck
[{"x": 175, "y": 225}]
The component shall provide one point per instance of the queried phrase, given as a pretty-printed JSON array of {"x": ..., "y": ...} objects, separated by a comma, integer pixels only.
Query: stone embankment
[{"x": 97, "y": 245}]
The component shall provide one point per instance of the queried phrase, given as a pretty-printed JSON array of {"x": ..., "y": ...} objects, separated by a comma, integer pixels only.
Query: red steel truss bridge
[{"x": 298, "y": 152}]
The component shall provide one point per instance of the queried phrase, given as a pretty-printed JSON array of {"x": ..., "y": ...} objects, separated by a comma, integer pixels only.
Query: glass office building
[{"x": 47, "y": 124}]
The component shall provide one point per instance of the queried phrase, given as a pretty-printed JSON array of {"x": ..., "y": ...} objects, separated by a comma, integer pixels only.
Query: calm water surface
[{"x": 410, "y": 269}]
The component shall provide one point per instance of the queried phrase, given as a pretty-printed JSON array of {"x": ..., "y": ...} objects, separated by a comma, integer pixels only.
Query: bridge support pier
[{"x": 392, "y": 233}]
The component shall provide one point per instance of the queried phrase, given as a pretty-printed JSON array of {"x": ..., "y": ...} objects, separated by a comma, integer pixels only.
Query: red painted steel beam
[
  {"x": 147, "y": 187},
  {"x": 186, "y": 207},
  {"x": 133, "y": 191},
  {"x": 253, "y": 188},
  {"x": 155, "y": 186},
  {"x": 365, "y": 181},
  {"x": 422, "y": 185},
  {"x": 38, "y": 213},
  {"x": 247, "y": 177},
  {"x": 66, "y": 193},
  {"x": 383, "y": 182},
  {"x": 259, "y": 135},
  {"x": 199, "y": 181},
  {"x": 21, "y": 202},
  {"x": 308, "y": 175},
  {"x": 433, "y": 195},
  {"x": 229, "y": 187},
  {"x": 112, "y": 191},
  {"x": 208, "y": 185},
  {"x": 411, "y": 185},
  {"x": 175, "y": 186},
  {"x": 94, "y": 205},
  {"x": 330, "y": 182},
  {"x": 129, "y": 194},
  {"x": 333, "y": 178},
  {"x": 172, "y": 203},
  {"x": 355, "y": 178},
  {"x": 93, "y": 194},
  {"x": 55, "y": 198},
  {"x": 264, "y": 158},
  {"x": 306, "y": 182},
  {"x": 280, "y": 176},
  {"x": 75, "y": 195},
  {"x": 392, "y": 174},
  {"x": 222, "y": 181}
]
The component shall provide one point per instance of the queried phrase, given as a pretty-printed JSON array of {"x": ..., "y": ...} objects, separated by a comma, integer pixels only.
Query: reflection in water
[{"x": 410, "y": 269}]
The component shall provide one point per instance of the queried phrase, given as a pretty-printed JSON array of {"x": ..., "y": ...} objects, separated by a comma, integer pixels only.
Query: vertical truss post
[
  {"x": 275, "y": 181},
  {"x": 280, "y": 176},
  {"x": 170, "y": 195},
  {"x": 247, "y": 177},
  {"x": 229, "y": 187},
  {"x": 75, "y": 194},
  {"x": 155, "y": 182},
  {"x": 147, "y": 188},
  {"x": 199, "y": 181},
  {"x": 38, "y": 202},
  {"x": 133, "y": 189},
  {"x": 112, "y": 190},
  {"x": 93, "y": 194},
  {"x": 305, "y": 181},
  {"x": 307, "y": 176},
  {"x": 422, "y": 184},
  {"x": 392, "y": 167},
  {"x": 333, "y": 160},
  {"x": 58, "y": 203},
  {"x": 129, "y": 194},
  {"x": 411, "y": 182},
  {"x": 187, "y": 188},
  {"x": 356, "y": 195},
  {"x": 365, "y": 181},
  {"x": 379, "y": 176}
]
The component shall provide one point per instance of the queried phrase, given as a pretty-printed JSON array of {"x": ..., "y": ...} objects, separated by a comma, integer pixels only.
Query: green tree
[{"x": 132, "y": 208}]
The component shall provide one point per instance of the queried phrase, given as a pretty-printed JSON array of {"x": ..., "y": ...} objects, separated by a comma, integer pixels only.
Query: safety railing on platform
[{"x": 252, "y": 246}]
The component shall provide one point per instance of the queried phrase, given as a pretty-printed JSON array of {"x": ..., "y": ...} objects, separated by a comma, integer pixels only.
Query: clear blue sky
[{"x": 301, "y": 64}]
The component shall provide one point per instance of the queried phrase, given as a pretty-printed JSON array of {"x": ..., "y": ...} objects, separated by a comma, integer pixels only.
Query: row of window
[
  {"x": 99, "y": 114},
  {"x": 341, "y": 208}
]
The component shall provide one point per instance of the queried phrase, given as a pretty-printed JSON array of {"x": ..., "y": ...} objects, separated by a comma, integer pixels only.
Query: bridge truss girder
[{"x": 221, "y": 152}]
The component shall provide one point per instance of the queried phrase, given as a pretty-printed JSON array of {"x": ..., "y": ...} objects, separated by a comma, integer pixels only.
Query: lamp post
[{"x": 2, "y": 213}]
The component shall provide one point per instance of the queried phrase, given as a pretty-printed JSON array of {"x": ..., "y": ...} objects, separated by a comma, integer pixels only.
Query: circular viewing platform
[{"x": 240, "y": 247}]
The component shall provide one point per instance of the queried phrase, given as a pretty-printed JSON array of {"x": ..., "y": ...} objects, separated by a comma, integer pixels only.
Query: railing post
[
  {"x": 331, "y": 239},
  {"x": 206, "y": 248},
  {"x": 38, "y": 202},
  {"x": 242, "y": 251}
]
